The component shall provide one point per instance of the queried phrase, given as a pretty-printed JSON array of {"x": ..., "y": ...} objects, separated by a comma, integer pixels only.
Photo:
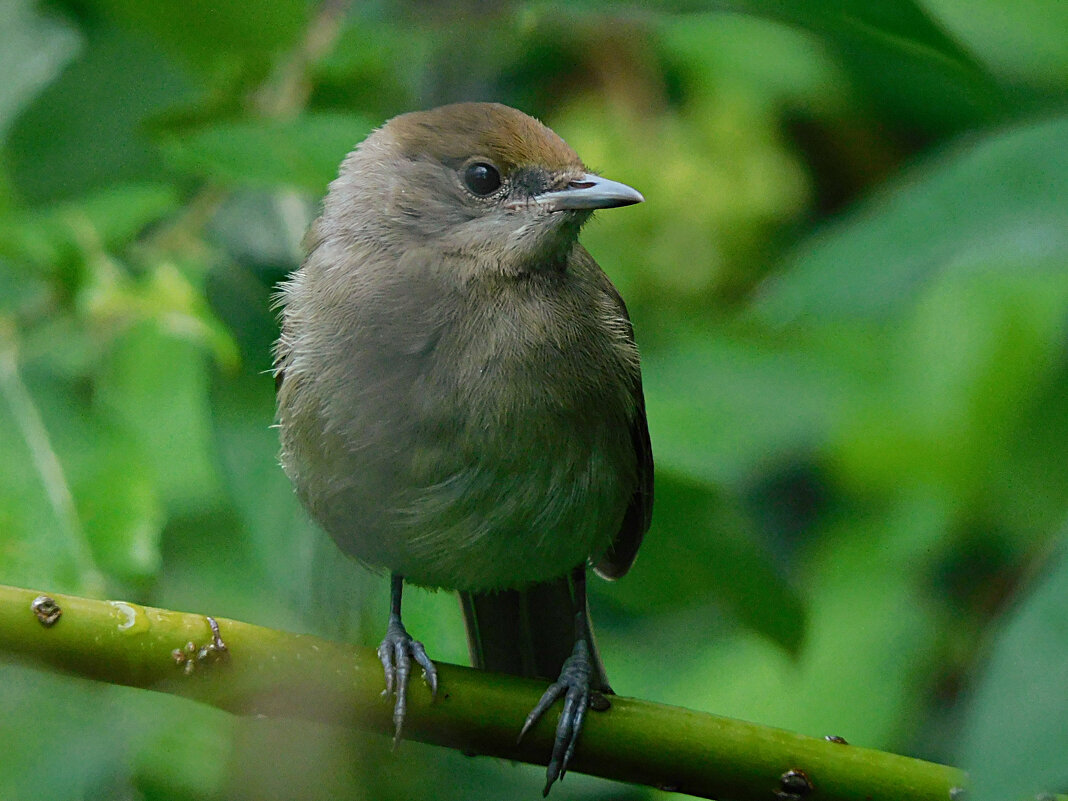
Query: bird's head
[{"x": 477, "y": 181}]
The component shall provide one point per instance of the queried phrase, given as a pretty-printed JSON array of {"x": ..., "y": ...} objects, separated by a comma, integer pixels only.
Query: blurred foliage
[
  {"x": 850, "y": 284},
  {"x": 1014, "y": 739}
]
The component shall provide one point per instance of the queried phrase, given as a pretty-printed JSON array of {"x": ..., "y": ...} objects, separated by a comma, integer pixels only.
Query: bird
[{"x": 459, "y": 393}]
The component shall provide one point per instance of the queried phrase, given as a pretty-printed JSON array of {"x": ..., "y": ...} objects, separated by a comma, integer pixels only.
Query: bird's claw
[
  {"x": 574, "y": 686},
  {"x": 396, "y": 653}
]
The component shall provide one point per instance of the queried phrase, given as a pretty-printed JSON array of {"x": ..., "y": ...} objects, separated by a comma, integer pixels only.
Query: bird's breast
[
  {"x": 520, "y": 464},
  {"x": 472, "y": 440},
  {"x": 533, "y": 351}
]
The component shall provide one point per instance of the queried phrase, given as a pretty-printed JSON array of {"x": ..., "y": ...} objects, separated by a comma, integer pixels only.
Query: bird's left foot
[
  {"x": 574, "y": 686},
  {"x": 396, "y": 652}
]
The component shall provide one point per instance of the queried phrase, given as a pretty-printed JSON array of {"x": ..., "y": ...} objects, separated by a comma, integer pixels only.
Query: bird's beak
[{"x": 590, "y": 192}]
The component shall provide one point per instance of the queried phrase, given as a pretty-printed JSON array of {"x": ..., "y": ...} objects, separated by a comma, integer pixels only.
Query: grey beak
[{"x": 590, "y": 192}]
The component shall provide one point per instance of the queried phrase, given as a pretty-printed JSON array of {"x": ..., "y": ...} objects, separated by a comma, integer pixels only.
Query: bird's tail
[{"x": 530, "y": 632}]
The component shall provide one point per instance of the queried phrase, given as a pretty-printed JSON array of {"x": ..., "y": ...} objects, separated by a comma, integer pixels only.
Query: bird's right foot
[
  {"x": 396, "y": 652},
  {"x": 574, "y": 687}
]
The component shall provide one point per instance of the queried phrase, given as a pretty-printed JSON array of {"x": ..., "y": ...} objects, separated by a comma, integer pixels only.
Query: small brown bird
[{"x": 459, "y": 393}]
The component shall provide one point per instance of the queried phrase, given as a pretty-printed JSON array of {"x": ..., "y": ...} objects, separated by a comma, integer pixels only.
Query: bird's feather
[
  {"x": 528, "y": 632},
  {"x": 617, "y": 560}
]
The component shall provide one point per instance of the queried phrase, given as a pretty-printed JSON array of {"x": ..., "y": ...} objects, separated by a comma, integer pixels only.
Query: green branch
[{"x": 268, "y": 672}]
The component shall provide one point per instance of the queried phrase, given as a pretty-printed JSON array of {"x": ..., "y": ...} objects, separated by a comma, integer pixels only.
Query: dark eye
[{"x": 482, "y": 178}]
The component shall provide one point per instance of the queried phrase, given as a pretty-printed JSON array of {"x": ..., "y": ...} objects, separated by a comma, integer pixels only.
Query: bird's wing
[{"x": 620, "y": 556}]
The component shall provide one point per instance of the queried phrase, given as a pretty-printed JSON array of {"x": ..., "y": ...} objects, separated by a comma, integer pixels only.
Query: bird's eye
[{"x": 482, "y": 178}]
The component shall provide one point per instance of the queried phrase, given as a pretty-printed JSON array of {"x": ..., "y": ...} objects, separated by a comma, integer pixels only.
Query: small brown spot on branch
[
  {"x": 46, "y": 609},
  {"x": 599, "y": 702},
  {"x": 794, "y": 785},
  {"x": 191, "y": 656}
]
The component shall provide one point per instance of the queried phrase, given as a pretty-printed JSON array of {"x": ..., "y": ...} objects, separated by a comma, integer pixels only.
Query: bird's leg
[
  {"x": 397, "y": 651},
  {"x": 573, "y": 685}
]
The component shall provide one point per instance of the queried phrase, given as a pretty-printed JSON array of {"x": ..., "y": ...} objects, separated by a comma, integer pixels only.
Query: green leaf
[
  {"x": 378, "y": 63},
  {"x": 304, "y": 152},
  {"x": 84, "y": 131},
  {"x": 1023, "y": 41},
  {"x": 118, "y": 503},
  {"x": 154, "y": 386},
  {"x": 894, "y": 50},
  {"x": 188, "y": 755},
  {"x": 34, "y": 47},
  {"x": 18, "y": 289},
  {"x": 94, "y": 725},
  {"x": 243, "y": 414},
  {"x": 702, "y": 546},
  {"x": 212, "y": 33},
  {"x": 1015, "y": 739},
  {"x": 43, "y": 541},
  {"x": 961, "y": 375},
  {"x": 901, "y": 23},
  {"x": 1029, "y": 487},
  {"x": 724, "y": 410},
  {"x": 81, "y": 490},
  {"x": 104, "y": 219},
  {"x": 870, "y": 628},
  {"x": 999, "y": 198}
]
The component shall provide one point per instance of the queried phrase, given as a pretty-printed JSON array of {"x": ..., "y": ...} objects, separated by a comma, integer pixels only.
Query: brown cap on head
[{"x": 459, "y": 131}]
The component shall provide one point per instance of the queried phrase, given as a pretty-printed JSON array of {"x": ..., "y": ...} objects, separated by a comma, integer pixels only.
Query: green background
[{"x": 850, "y": 286}]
